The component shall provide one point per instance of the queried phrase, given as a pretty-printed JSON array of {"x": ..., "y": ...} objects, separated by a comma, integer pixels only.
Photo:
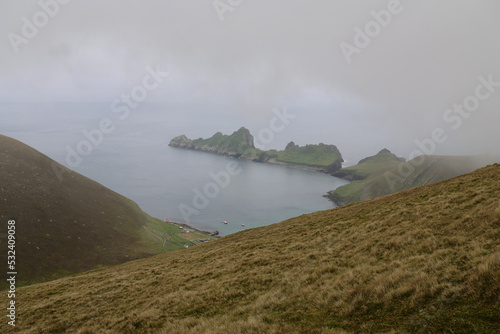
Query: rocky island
[{"x": 240, "y": 144}]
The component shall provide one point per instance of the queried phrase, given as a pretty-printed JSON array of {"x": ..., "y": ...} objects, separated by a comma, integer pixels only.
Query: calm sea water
[
  {"x": 166, "y": 182},
  {"x": 135, "y": 161}
]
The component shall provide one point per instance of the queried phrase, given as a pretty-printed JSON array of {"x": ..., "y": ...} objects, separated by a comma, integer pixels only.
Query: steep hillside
[
  {"x": 426, "y": 260},
  {"x": 385, "y": 173},
  {"x": 240, "y": 144},
  {"x": 67, "y": 223}
]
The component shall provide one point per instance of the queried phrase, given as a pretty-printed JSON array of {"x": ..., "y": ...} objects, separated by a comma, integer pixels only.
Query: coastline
[
  {"x": 212, "y": 234},
  {"x": 270, "y": 161},
  {"x": 328, "y": 195},
  {"x": 291, "y": 165},
  {"x": 335, "y": 199}
]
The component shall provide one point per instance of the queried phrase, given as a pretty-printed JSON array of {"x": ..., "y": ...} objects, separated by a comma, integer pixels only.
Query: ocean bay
[{"x": 136, "y": 161}]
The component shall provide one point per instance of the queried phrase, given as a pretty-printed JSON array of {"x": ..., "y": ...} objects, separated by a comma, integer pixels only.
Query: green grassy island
[{"x": 321, "y": 157}]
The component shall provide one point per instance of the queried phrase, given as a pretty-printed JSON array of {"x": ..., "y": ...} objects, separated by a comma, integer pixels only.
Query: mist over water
[
  {"x": 136, "y": 161},
  {"x": 393, "y": 92}
]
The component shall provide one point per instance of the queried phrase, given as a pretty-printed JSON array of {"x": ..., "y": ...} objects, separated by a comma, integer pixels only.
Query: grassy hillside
[
  {"x": 322, "y": 157},
  {"x": 425, "y": 260},
  {"x": 70, "y": 223},
  {"x": 379, "y": 163},
  {"x": 319, "y": 156},
  {"x": 385, "y": 174}
]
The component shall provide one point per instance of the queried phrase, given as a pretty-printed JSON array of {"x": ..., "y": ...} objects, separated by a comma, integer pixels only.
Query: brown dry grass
[{"x": 423, "y": 260}]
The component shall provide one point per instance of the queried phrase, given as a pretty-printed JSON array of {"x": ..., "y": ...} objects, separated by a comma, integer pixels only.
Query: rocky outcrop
[
  {"x": 182, "y": 141},
  {"x": 290, "y": 145},
  {"x": 334, "y": 150}
]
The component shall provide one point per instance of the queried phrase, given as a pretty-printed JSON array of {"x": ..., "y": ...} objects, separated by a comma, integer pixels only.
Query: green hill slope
[
  {"x": 424, "y": 260},
  {"x": 385, "y": 173},
  {"x": 70, "y": 224}
]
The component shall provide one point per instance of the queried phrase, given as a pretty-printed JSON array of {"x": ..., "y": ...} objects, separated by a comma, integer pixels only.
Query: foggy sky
[{"x": 269, "y": 54}]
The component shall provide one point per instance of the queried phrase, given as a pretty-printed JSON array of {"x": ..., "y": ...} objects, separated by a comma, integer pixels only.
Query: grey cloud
[{"x": 271, "y": 53}]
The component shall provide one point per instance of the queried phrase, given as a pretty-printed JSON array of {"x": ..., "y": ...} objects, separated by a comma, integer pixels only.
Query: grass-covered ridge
[
  {"x": 67, "y": 223},
  {"x": 385, "y": 173},
  {"x": 240, "y": 144},
  {"x": 426, "y": 260},
  {"x": 234, "y": 145}
]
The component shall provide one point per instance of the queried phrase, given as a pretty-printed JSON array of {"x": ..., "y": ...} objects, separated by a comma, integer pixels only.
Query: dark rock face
[
  {"x": 334, "y": 167},
  {"x": 181, "y": 141},
  {"x": 247, "y": 138},
  {"x": 290, "y": 145},
  {"x": 263, "y": 157}
]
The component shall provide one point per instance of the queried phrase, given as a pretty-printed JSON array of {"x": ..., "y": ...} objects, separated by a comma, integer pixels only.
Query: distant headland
[{"x": 240, "y": 144}]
